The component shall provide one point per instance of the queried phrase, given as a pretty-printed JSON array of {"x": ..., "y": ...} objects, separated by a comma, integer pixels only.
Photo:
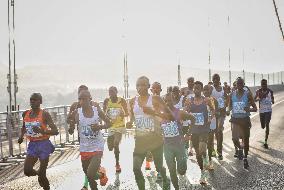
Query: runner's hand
[
  {"x": 71, "y": 130},
  {"x": 187, "y": 137},
  {"x": 148, "y": 110},
  {"x": 129, "y": 125},
  {"x": 38, "y": 130},
  {"x": 247, "y": 109},
  {"x": 20, "y": 140}
]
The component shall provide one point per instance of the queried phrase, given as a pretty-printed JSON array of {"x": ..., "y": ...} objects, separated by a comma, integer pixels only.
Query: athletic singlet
[
  {"x": 144, "y": 123},
  {"x": 219, "y": 96},
  {"x": 114, "y": 112},
  {"x": 172, "y": 130},
  {"x": 265, "y": 104},
  {"x": 239, "y": 104},
  {"x": 35, "y": 122},
  {"x": 90, "y": 141},
  {"x": 200, "y": 112}
]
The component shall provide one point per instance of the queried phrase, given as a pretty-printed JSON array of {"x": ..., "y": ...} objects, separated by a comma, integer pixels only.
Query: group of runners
[{"x": 169, "y": 126}]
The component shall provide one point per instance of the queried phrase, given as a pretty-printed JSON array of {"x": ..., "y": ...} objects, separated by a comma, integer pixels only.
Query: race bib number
[
  {"x": 239, "y": 107},
  {"x": 199, "y": 119},
  {"x": 29, "y": 129},
  {"x": 265, "y": 105},
  {"x": 114, "y": 113},
  {"x": 144, "y": 124},
  {"x": 170, "y": 129},
  {"x": 87, "y": 131},
  {"x": 221, "y": 102}
]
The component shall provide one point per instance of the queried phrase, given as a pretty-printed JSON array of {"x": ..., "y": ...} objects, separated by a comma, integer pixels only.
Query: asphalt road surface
[{"x": 266, "y": 166}]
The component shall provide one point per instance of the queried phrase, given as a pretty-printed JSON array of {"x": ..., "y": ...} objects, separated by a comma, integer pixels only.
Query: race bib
[
  {"x": 114, "y": 113},
  {"x": 221, "y": 102},
  {"x": 239, "y": 107},
  {"x": 265, "y": 105},
  {"x": 87, "y": 131},
  {"x": 144, "y": 123},
  {"x": 170, "y": 129},
  {"x": 199, "y": 119},
  {"x": 29, "y": 129}
]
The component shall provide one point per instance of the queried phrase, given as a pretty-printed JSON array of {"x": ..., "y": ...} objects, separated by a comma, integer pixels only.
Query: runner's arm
[
  {"x": 129, "y": 124},
  {"x": 48, "y": 120},
  {"x": 272, "y": 96},
  {"x": 23, "y": 129},
  {"x": 187, "y": 116},
  {"x": 107, "y": 123},
  {"x": 124, "y": 105},
  {"x": 252, "y": 103},
  {"x": 256, "y": 97},
  {"x": 161, "y": 109},
  {"x": 105, "y": 105}
]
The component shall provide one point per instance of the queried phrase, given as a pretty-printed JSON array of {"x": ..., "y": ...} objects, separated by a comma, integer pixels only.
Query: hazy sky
[{"x": 156, "y": 32}]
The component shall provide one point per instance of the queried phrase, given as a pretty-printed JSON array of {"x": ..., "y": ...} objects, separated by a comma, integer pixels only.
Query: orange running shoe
[
  {"x": 148, "y": 165},
  {"x": 117, "y": 168},
  {"x": 103, "y": 178}
]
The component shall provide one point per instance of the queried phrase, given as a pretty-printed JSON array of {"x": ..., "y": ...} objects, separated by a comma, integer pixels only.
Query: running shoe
[
  {"x": 203, "y": 180},
  {"x": 210, "y": 166},
  {"x": 220, "y": 157},
  {"x": 103, "y": 178},
  {"x": 241, "y": 155},
  {"x": 190, "y": 153},
  {"x": 214, "y": 154},
  {"x": 159, "y": 177},
  {"x": 246, "y": 164},
  {"x": 117, "y": 168},
  {"x": 148, "y": 165},
  {"x": 236, "y": 155},
  {"x": 265, "y": 145},
  {"x": 205, "y": 163},
  {"x": 84, "y": 188}
]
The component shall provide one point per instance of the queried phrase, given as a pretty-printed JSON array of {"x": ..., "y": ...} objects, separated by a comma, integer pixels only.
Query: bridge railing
[{"x": 10, "y": 130}]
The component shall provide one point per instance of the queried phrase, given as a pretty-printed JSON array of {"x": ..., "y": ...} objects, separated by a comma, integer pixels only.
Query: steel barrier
[{"x": 10, "y": 129}]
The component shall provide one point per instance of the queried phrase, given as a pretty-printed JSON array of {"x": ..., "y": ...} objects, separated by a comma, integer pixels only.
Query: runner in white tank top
[
  {"x": 91, "y": 139},
  {"x": 145, "y": 110}
]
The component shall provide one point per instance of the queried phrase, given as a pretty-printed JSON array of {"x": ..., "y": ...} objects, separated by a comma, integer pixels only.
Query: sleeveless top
[
  {"x": 239, "y": 104},
  {"x": 114, "y": 112},
  {"x": 35, "y": 122},
  {"x": 148, "y": 133},
  {"x": 219, "y": 96},
  {"x": 90, "y": 141},
  {"x": 172, "y": 130},
  {"x": 200, "y": 112},
  {"x": 265, "y": 104}
]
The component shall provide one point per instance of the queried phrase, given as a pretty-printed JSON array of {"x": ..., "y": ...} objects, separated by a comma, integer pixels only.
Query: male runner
[
  {"x": 265, "y": 97},
  {"x": 116, "y": 109},
  {"x": 148, "y": 137},
  {"x": 37, "y": 126},
  {"x": 92, "y": 142},
  {"x": 198, "y": 106},
  {"x": 219, "y": 94},
  {"x": 241, "y": 102}
]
